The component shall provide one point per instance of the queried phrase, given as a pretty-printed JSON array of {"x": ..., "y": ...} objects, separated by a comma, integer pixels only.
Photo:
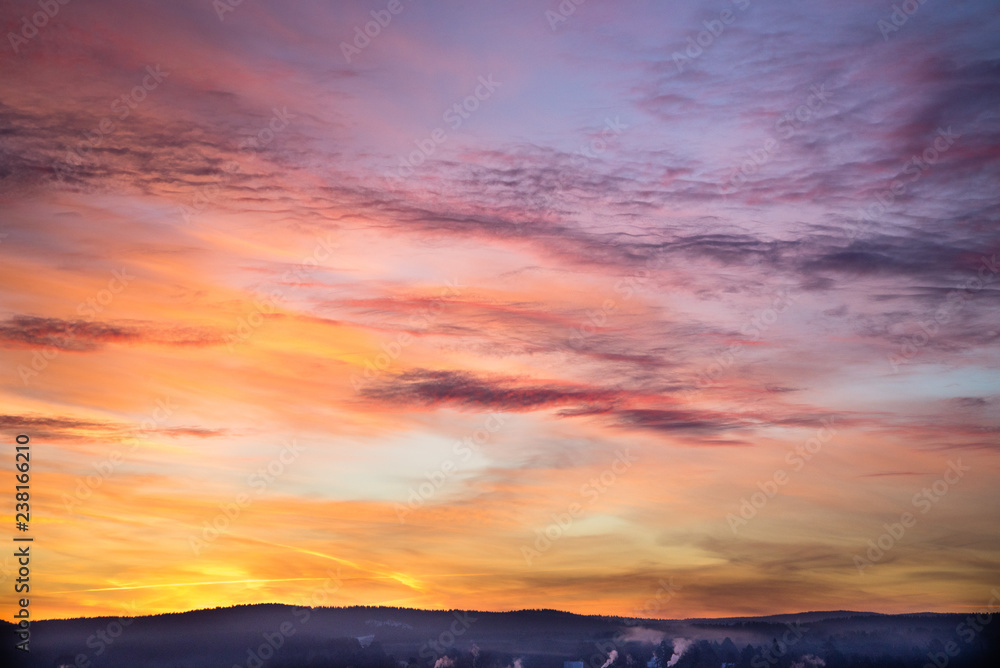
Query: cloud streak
[{"x": 696, "y": 264}]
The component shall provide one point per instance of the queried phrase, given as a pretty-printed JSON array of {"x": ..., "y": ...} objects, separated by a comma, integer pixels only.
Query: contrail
[
  {"x": 339, "y": 560},
  {"x": 186, "y": 584},
  {"x": 405, "y": 580}
]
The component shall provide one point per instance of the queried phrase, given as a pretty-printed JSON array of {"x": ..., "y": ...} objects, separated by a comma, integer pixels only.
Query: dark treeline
[{"x": 281, "y": 636}]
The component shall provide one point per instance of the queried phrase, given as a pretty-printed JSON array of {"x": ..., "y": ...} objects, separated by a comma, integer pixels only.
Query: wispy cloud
[{"x": 700, "y": 263}]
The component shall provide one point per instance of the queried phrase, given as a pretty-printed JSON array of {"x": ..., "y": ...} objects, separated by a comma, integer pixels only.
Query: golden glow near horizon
[{"x": 290, "y": 331}]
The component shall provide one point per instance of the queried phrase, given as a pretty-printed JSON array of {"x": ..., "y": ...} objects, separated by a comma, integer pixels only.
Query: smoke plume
[
  {"x": 681, "y": 645},
  {"x": 644, "y": 635}
]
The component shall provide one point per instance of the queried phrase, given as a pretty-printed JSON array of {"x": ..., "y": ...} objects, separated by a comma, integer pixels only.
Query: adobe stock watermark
[
  {"x": 105, "y": 637},
  {"x": 753, "y": 329},
  {"x": 121, "y": 108},
  {"x": 223, "y": 7},
  {"x": 598, "y": 319},
  {"x": 967, "y": 631},
  {"x": 249, "y": 146},
  {"x": 924, "y": 500},
  {"x": 954, "y": 302},
  {"x": 381, "y": 18},
  {"x": 914, "y": 168},
  {"x": 563, "y": 11},
  {"x": 48, "y": 9},
  {"x": 266, "y": 302},
  {"x": 797, "y": 459},
  {"x": 230, "y": 512},
  {"x": 595, "y": 147},
  {"x": 786, "y": 127},
  {"x": 773, "y": 653},
  {"x": 434, "y": 648},
  {"x": 89, "y": 309},
  {"x": 454, "y": 116},
  {"x": 664, "y": 594},
  {"x": 607, "y": 651},
  {"x": 591, "y": 490},
  {"x": 392, "y": 350},
  {"x": 586, "y": 152},
  {"x": 106, "y": 468},
  {"x": 436, "y": 479},
  {"x": 901, "y": 13},
  {"x": 702, "y": 41},
  {"x": 273, "y": 641}
]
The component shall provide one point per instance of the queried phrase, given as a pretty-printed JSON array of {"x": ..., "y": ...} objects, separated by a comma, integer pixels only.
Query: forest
[{"x": 282, "y": 636}]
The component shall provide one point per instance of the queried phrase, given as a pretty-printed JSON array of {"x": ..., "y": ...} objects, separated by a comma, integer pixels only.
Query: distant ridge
[
  {"x": 391, "y": 637},
  {"x": 812, "y": 615}
]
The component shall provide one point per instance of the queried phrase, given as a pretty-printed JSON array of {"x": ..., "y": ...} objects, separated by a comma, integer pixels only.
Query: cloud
[
  {"x": 69, "y": 428},
  {"x": 465, "y": 390},
  {"x": 540, "y": 229},
  {"x": 77, "y": 336},
  {"x": 679, "y": 421},
  {"x": 86, "y": 336}
]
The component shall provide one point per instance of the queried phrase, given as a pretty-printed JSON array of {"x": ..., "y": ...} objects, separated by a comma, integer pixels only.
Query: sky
[{"x": 646, "y": 309}]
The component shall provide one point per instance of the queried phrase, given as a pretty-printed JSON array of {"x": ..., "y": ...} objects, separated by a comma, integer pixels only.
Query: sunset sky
[{"x": 502, "y": 305}]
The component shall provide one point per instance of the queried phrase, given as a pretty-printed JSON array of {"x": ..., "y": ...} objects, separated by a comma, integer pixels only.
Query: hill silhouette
[{"x": 284, "y": 636}]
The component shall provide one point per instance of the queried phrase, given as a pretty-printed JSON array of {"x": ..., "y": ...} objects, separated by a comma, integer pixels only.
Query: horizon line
[{"x": 506, "y": 612}]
